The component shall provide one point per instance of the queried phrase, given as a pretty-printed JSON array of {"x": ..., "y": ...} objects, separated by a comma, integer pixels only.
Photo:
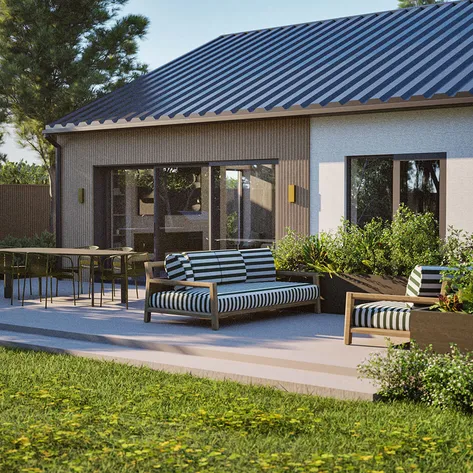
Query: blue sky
[{"x": 178, "y": 26}]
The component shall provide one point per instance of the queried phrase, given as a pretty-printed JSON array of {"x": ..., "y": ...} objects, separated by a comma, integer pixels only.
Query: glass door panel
[
  {"x": 244, "y": 206},
  {"x": 183, "y": 210},
  {"x": 132, "y": 209},
  {"x": 420, "y": 186}
]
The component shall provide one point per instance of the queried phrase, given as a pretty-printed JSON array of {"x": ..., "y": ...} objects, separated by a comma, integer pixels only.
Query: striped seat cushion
[
  {"x": 178, "y": 268},
  {"x": 235, "y": 297},
  {"x": 232, "y": 266},
  {"x": 425, "y": 281},
  {"x": 382, "y": 314},
  {"x": 259, "y": 265}
]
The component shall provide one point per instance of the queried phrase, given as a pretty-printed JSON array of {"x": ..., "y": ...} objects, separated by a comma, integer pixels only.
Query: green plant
[
  {"x": 315, "y": 252},
  {"x": 414, "y": 240},
  {"x": 441, "y": 380},
  {"x": 288, "y": 252},
  {"x": 44, "y": 240},
  {"x": 459, "y": 279},
  {"x": 457, "y": 246},
  {"x": 448, "y": 303}
]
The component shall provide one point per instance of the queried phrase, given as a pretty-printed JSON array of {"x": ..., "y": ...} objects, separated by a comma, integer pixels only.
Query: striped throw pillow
[
  {"x": 205, "y": 266},
  {"x": 259, "y": 265},
  {"x": 425, "y": 281},
  {"x": 232, "y": 266},
  {"x": 178, "y": 268}
]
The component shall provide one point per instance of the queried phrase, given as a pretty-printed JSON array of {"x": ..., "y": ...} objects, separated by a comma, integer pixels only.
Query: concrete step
[{"x": 302, "y": 379}]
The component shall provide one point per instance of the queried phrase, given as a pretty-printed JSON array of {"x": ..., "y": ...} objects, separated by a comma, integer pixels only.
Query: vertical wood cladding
[
  {"x": 24, "y": 210},
  {"x": 286, "y": 140}
]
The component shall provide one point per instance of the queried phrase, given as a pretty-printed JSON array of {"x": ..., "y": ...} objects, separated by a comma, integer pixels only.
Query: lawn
[{"x": 66, "y": 414}]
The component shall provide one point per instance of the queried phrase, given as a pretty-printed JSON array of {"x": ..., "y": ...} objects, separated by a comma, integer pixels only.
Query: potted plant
[{"x": 451, "y": 319}]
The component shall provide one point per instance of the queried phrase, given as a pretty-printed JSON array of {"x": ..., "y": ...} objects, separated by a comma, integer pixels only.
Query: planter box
[
  {"x": 333, "y": 289},
  {"x": 440, "y": 329}
]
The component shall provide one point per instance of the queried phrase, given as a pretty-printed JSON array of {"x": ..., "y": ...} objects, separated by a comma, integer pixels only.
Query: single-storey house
[{"x": 294, "y": 126}]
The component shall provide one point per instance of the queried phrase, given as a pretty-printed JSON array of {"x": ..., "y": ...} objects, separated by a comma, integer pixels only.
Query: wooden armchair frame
[
  {"x": 154, "y": 285},
  {"x": 351, "y": 297}
]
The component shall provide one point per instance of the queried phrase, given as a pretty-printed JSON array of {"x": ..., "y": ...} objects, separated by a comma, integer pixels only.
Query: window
[{"x": 377, "y": 185}]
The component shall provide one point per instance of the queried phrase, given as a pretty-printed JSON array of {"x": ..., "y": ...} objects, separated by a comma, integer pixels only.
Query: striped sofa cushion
[
  {"x": 382, "y": 314},
  {"x": 232, "y": 266},
  {"x": 235, "y": 297},
  {"x": 425, "y": 281},
  {"x": 178, "y": 268},
  {"x": 205, "y": 266},
  {"x": 259, "y": 264}
]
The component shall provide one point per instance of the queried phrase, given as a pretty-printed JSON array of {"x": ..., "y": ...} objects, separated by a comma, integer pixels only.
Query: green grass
[{"x": 65, "y": 414}]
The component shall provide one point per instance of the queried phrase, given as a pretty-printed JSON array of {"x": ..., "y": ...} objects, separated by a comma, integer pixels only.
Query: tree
[
  {"x": 58, "y": 55},
  {"x": 416, "y": 3},
  {"x": 22, "y": 172}
]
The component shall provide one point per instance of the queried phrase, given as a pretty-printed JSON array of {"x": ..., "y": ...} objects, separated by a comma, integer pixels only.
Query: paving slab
[{"x": 302, "y": 352}]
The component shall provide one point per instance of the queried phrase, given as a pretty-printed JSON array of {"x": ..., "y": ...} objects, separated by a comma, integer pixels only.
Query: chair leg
[
  {"x": 51, "y": 286},
  {"x": 46, "y": 294},
  {"x": 136, "y": 286},
  {"x": 74, "y": 289},
  {"x": 57, "y": 287},
  {"x": 40, "y": 289},
  {"x": 31, "y": 287},
  {"x": 101, "y": 291},
  {"x": 23, "y": 295}
]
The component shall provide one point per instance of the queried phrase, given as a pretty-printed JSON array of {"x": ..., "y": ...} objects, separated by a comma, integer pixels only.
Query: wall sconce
[
  {"x": 291, "y": 193},
  {"x": 81, "y": 195}
]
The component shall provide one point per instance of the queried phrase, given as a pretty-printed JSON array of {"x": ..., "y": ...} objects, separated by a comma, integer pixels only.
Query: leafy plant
[
  {"x": 448, "y": 303},
  {"x": 315, "y": 251},
  {"x": 288, "y": 252},
  {"x": 459, "y": 278},
  {"x": 441, "y": 380}
]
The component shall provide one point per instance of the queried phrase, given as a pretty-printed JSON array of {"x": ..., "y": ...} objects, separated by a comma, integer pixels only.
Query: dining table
[{"x": 93, "y": 255}]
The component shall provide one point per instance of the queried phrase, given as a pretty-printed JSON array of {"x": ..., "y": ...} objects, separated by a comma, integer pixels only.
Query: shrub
[
  {"x": 457, "y": 246},
  {"x": 44, "y": 240},
  {"x": 441, "y": 380},
  {"x": 288, "y": 253},
  {"x": 414, "y": 240}
]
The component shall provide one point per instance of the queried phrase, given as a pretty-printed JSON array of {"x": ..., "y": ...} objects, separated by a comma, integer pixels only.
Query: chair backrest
[
  {"x": 38, "y": 264},
  {"x": 425, "y": 281},
  {"x": 222, "y": 266}
]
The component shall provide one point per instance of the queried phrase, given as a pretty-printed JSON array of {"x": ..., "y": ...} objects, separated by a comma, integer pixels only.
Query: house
[{"x": 294, "y": 126}]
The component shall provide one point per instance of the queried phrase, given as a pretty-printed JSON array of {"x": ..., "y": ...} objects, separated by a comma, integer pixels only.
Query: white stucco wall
[{"x": 427, "y": 131}]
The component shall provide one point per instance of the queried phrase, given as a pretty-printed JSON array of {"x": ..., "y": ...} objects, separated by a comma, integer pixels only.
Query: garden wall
[{"x": 24, "y": 210}]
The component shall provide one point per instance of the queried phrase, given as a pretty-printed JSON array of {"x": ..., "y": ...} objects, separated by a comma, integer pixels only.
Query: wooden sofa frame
[
  {"x": 154, "y": 285},
  {"x": 351, "y": 297}
]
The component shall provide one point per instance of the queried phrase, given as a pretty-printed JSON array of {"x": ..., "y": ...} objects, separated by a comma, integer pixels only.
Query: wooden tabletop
[{"x": 68, "y": 251}]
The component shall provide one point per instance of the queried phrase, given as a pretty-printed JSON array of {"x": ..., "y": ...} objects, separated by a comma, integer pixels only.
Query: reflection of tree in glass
[
  {"x": 420, "y": 185},
  {"x": 179, "y": 189},
  {"x": 371, "y": 189}
]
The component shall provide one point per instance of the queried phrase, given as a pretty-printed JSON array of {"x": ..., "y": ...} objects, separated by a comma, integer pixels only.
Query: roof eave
[{"x": 311, "y": 110}]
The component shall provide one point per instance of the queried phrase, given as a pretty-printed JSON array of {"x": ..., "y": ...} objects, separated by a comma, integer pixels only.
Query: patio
[{"x": 300, "y": 352}]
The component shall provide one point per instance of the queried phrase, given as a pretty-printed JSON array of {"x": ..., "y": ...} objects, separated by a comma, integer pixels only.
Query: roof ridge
[{"x": 340, "y": 18}]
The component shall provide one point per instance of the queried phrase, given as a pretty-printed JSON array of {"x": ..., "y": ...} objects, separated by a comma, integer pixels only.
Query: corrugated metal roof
[{"x": 416, "y": 53}]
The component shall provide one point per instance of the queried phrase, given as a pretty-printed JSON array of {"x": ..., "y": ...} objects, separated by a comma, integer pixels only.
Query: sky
[{"x": 179, "y": 26}]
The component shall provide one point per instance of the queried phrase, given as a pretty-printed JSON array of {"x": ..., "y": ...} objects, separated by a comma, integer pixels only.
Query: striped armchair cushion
[
  {"x": 205, "y": 266},
  {"x": 382, "y": 314},
  {"x": 232, "y": 266},
  {"x": 425, "y": 281},
  {"x": 178, "y": 268},
  {"x": 236, "y": 297},
  {"x": 259, "y": 264}
]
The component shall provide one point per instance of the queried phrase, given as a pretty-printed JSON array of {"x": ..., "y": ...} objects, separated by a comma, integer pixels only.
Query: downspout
[{"x": 58, "y": 189}]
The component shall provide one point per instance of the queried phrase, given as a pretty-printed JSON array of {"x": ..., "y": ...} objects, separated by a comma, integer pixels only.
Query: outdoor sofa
[
  {"x": 223, "y": 283},
  {"x": 390, "y": 315}
]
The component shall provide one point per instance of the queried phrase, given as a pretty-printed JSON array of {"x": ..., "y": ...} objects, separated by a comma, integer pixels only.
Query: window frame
[{"x": 396, "y": 191}]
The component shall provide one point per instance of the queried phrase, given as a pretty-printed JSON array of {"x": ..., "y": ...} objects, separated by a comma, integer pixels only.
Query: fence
[{"x": 24, "y": 210}]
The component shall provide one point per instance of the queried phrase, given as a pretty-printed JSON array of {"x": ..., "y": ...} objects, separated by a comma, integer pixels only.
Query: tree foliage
[
  {"x": 58, "y": 55},
  {"x": 22, "y": 172},
  {"x": 416, "y": 3}
]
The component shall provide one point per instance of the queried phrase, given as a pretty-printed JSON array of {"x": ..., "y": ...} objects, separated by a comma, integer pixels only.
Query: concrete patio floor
[{"x": 300, "y": 352}]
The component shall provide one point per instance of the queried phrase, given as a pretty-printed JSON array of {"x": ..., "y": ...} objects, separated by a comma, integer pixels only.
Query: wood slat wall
[
  {"x": 285, "y": 140},
  {"x": 24, "y": 210}
]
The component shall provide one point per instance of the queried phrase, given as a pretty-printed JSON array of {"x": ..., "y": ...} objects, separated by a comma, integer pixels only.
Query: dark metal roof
[{"x": 417, "y": 53}]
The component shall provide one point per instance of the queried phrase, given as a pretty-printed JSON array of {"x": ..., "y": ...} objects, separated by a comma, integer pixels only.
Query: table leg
[
  {"x": 7, "y": 278},
  {"x": 124, "y": 284},
  {"x": 92, "y": 280}
]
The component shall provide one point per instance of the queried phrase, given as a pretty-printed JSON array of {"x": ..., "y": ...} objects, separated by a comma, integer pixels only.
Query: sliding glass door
[{"x": 187, "y": 208}]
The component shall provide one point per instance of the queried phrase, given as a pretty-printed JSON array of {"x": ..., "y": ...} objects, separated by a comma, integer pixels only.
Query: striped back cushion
[
  {"x": 259, "y": 264},
  {"x": 425, "y": 281},
  {"x": 232, "y": 266},
  {"x": 205, "y": 266},
  {"x": 178, "y": 268}
]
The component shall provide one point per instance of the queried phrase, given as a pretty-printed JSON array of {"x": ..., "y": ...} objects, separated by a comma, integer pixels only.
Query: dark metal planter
[
  {"x": 440, "y": 329},
  {"x": 333, "y": 289}
]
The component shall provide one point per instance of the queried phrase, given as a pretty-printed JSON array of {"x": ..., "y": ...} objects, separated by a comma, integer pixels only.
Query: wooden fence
[{"x": 24, "y": 210}]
